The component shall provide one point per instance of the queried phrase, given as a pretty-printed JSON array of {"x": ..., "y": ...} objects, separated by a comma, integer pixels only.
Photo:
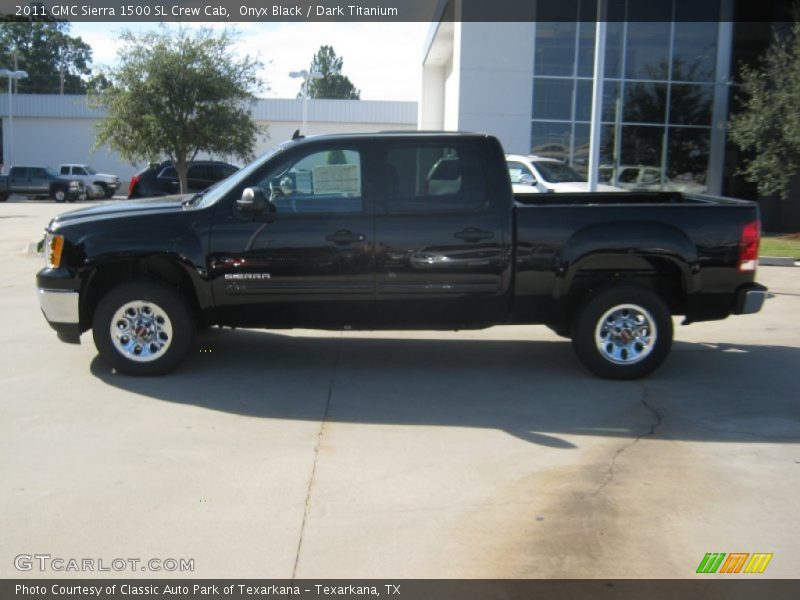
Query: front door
[{"x": 308, "y": 259}]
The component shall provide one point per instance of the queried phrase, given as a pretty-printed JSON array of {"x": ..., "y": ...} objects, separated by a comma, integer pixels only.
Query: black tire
[
  {"x": 626, "y": 311},
  {"x": 59, "y": 195},
  {"x": 3, "y": 197},
  {"x": 109, "y": 192},
  {"x": 165, "y": 303}
]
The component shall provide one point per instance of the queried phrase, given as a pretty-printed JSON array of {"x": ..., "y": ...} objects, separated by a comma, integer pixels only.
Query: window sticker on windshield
[{"x": 341, "y": 179}]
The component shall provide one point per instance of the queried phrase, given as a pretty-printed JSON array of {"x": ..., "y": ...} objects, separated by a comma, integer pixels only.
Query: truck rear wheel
[
  {"x": 624, "y": 332},
  {"x": 143, "y": 328}
]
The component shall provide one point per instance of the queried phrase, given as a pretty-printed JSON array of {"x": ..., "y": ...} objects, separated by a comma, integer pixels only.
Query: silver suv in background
[{"x": 98, "y": 185}]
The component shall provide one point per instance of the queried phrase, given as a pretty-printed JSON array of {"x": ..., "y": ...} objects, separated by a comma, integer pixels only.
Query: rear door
[
  {"x": 308, "y": 260},
  {"x": 442, "y": 234},
  {"x": 199, "y": 177}
]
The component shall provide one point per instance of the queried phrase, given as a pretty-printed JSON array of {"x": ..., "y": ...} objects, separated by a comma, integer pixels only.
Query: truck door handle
[
  {"x": 473, "y": 234},
  {"x": 344, "y": 237}
]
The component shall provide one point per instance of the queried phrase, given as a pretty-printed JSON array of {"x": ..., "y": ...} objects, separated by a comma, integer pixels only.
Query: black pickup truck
[{"x": 397, "y": 231}]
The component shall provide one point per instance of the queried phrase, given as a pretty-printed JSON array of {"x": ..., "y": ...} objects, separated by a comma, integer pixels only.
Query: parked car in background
[
  {"x": 41, "y": 182},
  {"x": 97, "y": 184},
  {"x": 161, "y": 179},
  {"x": 644, "y": 178},
  {"x": 532, "y": 174}
]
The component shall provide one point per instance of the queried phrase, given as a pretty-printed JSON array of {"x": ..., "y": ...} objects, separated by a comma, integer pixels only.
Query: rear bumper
[
  {"x": 749, "y": 299},
  {"x": 61, "y": 309}
]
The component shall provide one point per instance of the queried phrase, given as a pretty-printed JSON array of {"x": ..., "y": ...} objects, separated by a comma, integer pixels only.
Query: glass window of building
[{"x": 658, "y": 92}]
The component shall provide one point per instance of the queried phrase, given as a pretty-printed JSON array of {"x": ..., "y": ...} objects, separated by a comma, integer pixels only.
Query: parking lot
[{"x": 489, "y": 454}]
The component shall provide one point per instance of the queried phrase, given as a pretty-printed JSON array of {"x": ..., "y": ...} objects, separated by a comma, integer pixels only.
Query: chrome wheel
[
  {"x": 141, "y": 331},
  {"x": 626, "y": 334},
  {"x": 60, "y": 195}
]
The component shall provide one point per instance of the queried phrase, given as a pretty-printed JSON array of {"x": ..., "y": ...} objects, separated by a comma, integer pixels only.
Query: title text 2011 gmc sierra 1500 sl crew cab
[{"x": 397, "y": 231}]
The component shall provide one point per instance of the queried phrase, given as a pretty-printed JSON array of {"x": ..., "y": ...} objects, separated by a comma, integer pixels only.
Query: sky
[{"x": 383, "y": 60}]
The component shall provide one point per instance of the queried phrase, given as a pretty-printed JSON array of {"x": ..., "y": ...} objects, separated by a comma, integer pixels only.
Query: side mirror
[
  {"x": 253, "y": 200},
  {"x": 527, "y": 179}
]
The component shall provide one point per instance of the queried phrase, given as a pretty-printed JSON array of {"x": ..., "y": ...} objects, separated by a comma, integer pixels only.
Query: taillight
[
  {"x": 748, "y": 246},
  {"x": 132, "y": 184}
]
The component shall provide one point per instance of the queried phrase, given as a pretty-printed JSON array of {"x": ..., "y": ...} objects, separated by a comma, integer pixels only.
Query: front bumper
[
  {"x": 749, "y": 299},
  {"x": 61, "y": 308}
]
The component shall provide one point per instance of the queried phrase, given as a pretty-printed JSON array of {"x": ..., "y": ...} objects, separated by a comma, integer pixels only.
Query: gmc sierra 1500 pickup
[{"x": 397, "y": 231}]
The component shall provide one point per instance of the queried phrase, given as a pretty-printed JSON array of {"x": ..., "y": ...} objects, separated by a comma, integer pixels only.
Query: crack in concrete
[
  {"x": 657, "y": 420},
  {"x": 307, "y": 508}
]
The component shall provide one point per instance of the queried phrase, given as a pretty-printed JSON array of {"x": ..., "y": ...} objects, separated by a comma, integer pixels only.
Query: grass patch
[{"x": 781, "y": 245}]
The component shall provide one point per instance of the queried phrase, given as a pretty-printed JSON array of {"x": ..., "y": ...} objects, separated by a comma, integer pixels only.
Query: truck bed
[{"x": 624, "y": 198}]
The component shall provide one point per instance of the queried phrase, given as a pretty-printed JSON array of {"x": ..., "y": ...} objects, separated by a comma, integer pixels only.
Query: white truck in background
[{"x": 98, "y": 185}]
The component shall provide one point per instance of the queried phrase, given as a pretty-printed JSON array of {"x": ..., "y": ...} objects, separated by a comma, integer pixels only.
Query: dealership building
[
  {"x": 667, "y": 92},
  {"x": 49, "y": 130}
]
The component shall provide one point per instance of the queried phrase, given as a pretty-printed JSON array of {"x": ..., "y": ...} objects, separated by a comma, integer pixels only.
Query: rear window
[{"x": 433, "y": 177}]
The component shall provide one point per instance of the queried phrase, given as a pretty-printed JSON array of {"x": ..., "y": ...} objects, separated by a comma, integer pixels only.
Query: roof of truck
[{"x": 392, "y": 134}]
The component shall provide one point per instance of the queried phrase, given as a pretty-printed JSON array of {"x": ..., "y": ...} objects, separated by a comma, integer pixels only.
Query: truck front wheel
[
  {"x": 58, "y": 194},
  {"x": 624, "y": 332},
  {"x": 143, "y": 328}
]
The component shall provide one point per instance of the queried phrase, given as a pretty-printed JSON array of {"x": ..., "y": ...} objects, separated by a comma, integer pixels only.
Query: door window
[
  {"x": 433, "y": 177},
  {"x": 516, "y": 170},
  {"x": 65, "y": 170},
  {"x": 325, "y": 181}
]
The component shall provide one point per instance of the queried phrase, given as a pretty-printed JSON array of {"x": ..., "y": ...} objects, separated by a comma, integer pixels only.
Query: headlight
[{"x": 53, "y": 246}]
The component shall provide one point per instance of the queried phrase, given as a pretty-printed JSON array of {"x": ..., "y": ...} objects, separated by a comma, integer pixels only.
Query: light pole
[
  {"x": 8, "y": 74},
  {"x": 306, "y": 77}
]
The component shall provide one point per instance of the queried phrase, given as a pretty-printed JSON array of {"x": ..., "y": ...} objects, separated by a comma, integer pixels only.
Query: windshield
[
  {"x": 90, "y": 170},
  {"x": 50, "y": 171},
  {"x": 217, "y": 191},
  {"x": 556, "y": 172}
]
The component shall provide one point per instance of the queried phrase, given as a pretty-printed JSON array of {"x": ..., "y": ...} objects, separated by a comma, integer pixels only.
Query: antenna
[{"x": 296, "y": 135}]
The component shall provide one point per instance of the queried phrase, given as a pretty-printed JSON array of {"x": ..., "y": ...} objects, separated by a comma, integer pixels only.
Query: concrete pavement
[{"x": 415, "y": 454}]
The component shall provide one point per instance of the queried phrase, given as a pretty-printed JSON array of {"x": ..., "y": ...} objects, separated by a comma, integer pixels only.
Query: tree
[
  {"x": 768, "y": 126},
  {"x": 55, "y": 61},
  {"x": 332, "y": 84},
  {"x": 178, "y": 93}
]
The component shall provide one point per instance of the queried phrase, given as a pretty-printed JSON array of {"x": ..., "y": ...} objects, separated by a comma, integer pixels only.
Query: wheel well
[
  {"x": 660, "y": 275},
  {"x": 108, "y": 275}
]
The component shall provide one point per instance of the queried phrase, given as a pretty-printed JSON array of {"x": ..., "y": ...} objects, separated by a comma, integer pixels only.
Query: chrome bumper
[
  {"x": 750, "y": 300},
  {"x": 59, "y": 306}
]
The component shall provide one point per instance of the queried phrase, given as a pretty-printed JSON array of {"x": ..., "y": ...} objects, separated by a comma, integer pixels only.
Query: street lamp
[
  {"x": 306, "y": 77},
  {"x": 8, "y": 74}
]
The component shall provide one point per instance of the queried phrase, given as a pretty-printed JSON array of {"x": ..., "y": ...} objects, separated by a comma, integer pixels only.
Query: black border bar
[
  {"x": 712, "y": 587},
  {"x": 232, "y": 11}
]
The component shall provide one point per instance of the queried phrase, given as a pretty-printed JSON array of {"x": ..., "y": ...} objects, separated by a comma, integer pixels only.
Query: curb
[{"x": 777, "y": 261}]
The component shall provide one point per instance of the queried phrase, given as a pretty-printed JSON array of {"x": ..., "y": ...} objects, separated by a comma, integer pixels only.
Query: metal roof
[{"x": 265, "y": 109}]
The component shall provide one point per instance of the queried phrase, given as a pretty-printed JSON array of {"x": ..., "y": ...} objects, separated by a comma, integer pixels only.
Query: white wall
[
  {"x": 52, "y": 140},
  {"x": 488, "y": 82}
]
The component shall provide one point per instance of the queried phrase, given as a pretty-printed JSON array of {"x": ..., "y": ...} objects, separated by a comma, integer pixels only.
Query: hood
[{"x": 117, "y": 209}]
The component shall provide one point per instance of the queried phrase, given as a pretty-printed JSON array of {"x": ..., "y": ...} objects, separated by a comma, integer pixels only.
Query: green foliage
[
  {"x": 178, "y": 93},
  {"x": 55, "y": 61},
  {"x": 768, "y": 126},
  {"x": 332, "y": 84}
]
